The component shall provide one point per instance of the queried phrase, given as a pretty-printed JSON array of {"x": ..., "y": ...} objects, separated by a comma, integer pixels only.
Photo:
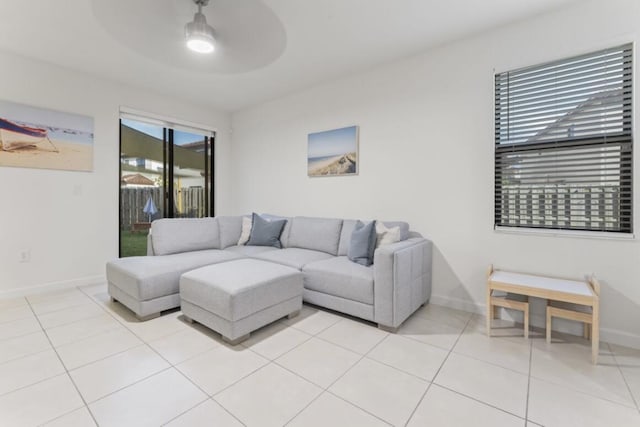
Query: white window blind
[{"x": 563, "y": 144}]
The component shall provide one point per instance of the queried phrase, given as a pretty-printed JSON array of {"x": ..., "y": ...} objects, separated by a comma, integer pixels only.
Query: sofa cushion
[
  {"x": 230, "y": 228},
  {"x": 265, "y": 232},
  {"x": 386, "y": 235},
  {"x": 404, "y": 228},
  {"x": 363, "y": 243},
  {"x": 250, "y": 251},
  {"x": 293, "y": 257},
  {"x": 246, "y": 231},
  {"x": 175, "y": 235},
  {"x": 349, "y": 224},
  {"x": 149, "y": 277},
  {"x": 284, "y": 236},
  {"x": 318, "y": 234},
  {"x": 340, "y": 277}
]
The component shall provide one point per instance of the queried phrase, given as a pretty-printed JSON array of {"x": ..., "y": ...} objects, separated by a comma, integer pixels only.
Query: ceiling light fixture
[{"x": 199, "y": 34}]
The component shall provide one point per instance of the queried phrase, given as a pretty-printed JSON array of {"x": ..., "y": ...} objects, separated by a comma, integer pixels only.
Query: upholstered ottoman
[{"x": 237, "y": 297}]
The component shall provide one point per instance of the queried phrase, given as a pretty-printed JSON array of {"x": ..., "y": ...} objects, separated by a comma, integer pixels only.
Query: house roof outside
[{"x": 136, "y": 179}]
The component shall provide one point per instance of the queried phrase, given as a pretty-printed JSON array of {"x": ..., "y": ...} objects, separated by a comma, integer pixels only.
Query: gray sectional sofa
[{"x": 387, "y": 292}]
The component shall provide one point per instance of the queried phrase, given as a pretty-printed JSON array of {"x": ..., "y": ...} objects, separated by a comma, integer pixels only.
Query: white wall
[
  {"x": 69, "y": 220},
  {"x": 426, "y": 156}
]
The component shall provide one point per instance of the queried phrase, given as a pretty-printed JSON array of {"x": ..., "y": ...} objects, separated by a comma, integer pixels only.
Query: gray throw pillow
[
  {"x": 266, "y": 233},
  {"x": 363, "y": 243}
]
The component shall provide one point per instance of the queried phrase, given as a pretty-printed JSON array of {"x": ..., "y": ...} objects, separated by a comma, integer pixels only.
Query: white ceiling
[{"x": 325, "y": 39}]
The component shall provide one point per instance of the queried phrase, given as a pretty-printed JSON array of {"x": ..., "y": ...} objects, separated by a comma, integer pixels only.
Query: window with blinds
[{"x": 563, "y": 144}]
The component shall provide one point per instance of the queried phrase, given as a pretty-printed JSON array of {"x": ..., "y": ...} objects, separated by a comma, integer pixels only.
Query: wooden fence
[
  {"x": 561, "y": 206},
  {"x": 189, "y": 204}
]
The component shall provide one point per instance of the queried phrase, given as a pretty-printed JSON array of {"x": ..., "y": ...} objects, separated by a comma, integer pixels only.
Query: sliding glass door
[
  {"x": 164, "y": 173},
  {"x": 191, "y": 167}
]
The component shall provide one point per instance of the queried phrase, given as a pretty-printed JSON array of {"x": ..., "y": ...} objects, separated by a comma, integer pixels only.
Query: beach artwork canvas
[
  {"x": 333, "y": 152},
  {"x": 32, "y": 137}
]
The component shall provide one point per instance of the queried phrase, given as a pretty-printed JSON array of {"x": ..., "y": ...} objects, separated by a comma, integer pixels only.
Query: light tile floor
[{"x": 73, "y": 358}]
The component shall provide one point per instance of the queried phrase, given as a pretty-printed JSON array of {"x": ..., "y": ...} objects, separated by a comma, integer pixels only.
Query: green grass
[{"x": 133, "y": 244}]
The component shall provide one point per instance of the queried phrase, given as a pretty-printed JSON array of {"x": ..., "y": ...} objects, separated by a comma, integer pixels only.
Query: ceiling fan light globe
[
  {"x": 200, "y": 45},
  {"x": 199, "y": 35}
]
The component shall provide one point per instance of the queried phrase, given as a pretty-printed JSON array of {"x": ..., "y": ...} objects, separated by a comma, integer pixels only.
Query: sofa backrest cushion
[
  {"x": 175, "y": 235},
  {"x": 230, "y": 228},
  {"x": 319, "y": 234},
  {"x": 349, "y": 224}
]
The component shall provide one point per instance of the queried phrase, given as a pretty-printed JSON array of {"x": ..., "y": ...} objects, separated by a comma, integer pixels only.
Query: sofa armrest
[{"x": 402, "y": 280}]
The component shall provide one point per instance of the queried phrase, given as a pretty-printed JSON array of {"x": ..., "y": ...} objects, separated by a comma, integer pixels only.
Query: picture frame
[
  {"x": 333, "y": 152},
  {"x": 41, "y": 138}
]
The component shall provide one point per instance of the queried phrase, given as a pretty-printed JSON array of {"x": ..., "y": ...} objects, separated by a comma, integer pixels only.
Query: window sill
[{"x": 565, "y": 233}]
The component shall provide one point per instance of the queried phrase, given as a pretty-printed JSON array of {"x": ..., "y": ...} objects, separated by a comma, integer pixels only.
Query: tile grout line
[
  {"x": 4, "y": 322},
  {"x": 298, "y": 345},
  {"x": 73, "y": 321},
  {"x": 307, "y": 338},
  {"x": 180, "y": 372},
  {"x": 65, "y": 368},
  {"x": 175, "y": 367},
  {"x": 23, "y": 356},
  {"x": 526, "y": 409},
  {"x": 171, "y": 365},
  {"x": 471, "y": 397},
  {"x": 333, "y": 324},
  {"x": 624, "y": 378},
  {"x": 490, "y": 363},
  {"x": 32, "y": 384},
  {"x": 129, "y": 385},
  {"x": 273, "y": 361},
  {"x": 199, "y": 404},
  {"x": 76, "y": 305},
  {"x": 209, "y": 397},
  {"x": 93, "y": 302},
  {"x": 53, "y": 348},
  {"x": 101, "y": 358},
  {"x": 326, "y": 389},
  {"x": 565, "y": 387},
  {"x": 481, "y": 402},
  {"x": 532, "y": 341},
  {"x": 437, "y": 372},
  {"x": 321, "y": 330},
  {"x": 363, "y": 356},
  {"x": 409, "y": 337}
]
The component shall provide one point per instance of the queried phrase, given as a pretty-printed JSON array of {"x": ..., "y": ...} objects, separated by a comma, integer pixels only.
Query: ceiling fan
[
  {"x": 199, "y": 34},
  {"x": 248, "y": 34}
]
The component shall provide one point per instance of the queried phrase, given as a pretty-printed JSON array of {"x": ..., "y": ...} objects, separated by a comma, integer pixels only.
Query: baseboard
[
  {"x": 52, "y": 286},
  {"x": 613, "y": 336},
  {"x": 457, "y": 304},
  {"x": 622, "y": 338}
]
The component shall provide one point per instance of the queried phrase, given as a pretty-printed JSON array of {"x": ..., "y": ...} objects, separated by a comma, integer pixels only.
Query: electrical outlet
[{"x": 24, "y": 255}]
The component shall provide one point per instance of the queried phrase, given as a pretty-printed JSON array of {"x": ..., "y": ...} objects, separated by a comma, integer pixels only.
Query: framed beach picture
[
  {"x": 32, "y": 137},
  {"x": 333, "y": 152}
]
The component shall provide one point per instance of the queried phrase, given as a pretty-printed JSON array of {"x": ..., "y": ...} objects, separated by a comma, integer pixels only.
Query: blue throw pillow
[
  {"x": 363, "y": 243},
  {"x": 266, "y": 233}
]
